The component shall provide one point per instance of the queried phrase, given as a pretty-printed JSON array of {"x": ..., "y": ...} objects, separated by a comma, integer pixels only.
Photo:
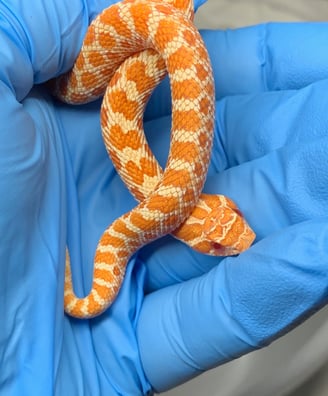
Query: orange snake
[{"x": 126, "y": 52}]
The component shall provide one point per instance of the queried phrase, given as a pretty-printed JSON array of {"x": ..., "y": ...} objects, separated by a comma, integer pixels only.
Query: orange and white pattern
[{"x": 127, "y": 50}]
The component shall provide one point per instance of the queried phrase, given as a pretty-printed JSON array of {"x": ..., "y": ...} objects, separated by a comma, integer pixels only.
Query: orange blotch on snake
[
  {"x": 162, "y": 8},
  {"x": 137, "y": 172},
  {"x": 77, "y": 308},
  {"x": 137, "y": 73},
  {"x": 107, "y": 41},
  {"x": 203, "y": 140},
  {"x": 148, "y": 167},
  {"x": 198, "y": 169},
  {"x": 189, "y": 36},
  {"x": 103, "y": 274},
  {"x": 190, "y": 120},
  {"x": 93, "y": 305},
  {"x": 141, "y": 222},
  {"x": 111, "y": 17},
  {"x": 120, "y": 139},
  {"x": 68, "y": 299},
  {"x": 184, "y": 6},
  {"x": 185, "y": 151},
  {"x": 105, "y": 239},
  {"x": 199, "y": 213},
  {"x": 96, "y": 59},
  {"x": 101, "y": 290},
  {"x": 177, "y": 177},
  {"x": 134, "y": 173},
  {"x": 170, "y": 29},
  {"x": 117, "y": 271},
  {"x": 186, "y": 89},
  {"x": 202, "y": 72},
  {"x": 90, "y": 37},
  {"x": 205, "y": 105},
  {"x": 80, "y": 62},
  {"x": 123, "y": 253},
  {"x": 121, "y": 227},
  {"x": 104, "y": 257},
  {"x": 114, "y": 131},
  {"x": 132, "y": 139},
  {"x": 182, "y": 58},
  {"x": 119, "y": 101},
  {"x": 189, "y": 232},
  {"x": 166, "y": 204},
  {"x": 87, "y": 78},
  {"x": 140, "y": 16}
]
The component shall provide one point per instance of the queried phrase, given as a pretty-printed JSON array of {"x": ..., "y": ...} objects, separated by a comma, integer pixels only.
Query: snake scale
[{"x": 127, "y": 51}]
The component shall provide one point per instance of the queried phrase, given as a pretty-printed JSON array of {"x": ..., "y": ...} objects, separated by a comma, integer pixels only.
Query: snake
[{"x": 127, "y": 50}]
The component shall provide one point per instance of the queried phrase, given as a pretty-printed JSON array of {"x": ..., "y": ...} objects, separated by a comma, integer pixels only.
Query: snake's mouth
[
  {"x": 220, "y": 250},
  {"x": 226, "y": 251},
  {"x": 244, "y": 243}
]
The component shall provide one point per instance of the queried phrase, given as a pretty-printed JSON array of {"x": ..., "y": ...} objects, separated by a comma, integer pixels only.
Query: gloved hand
[
  {"x": 173, "y": 318},
  {"x": 270, "y": 157}
]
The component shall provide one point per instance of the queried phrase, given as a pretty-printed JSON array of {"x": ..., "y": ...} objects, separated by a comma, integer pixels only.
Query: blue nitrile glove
[
  {"x": 270, "y": 156},
  {"x": 57, "y": 185}
]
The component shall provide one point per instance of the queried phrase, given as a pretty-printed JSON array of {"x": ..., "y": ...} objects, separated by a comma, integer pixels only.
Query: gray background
[{"x": 236, "y": 13}]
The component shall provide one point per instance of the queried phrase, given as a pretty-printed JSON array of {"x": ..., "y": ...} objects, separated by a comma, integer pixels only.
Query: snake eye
[{"x": 238, "y": 212}]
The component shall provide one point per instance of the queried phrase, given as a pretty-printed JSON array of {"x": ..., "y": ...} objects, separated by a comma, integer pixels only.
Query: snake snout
[
  {"x": 227, "y": 232},
  {"x": 221, "y": 247}
]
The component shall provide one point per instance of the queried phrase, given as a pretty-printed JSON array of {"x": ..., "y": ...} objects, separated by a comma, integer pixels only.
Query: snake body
[{"x": 126, "y": 52}]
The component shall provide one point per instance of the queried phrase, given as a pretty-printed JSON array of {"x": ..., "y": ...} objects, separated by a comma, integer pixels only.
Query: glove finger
[
  {"x": 268, "y": 57},
  {"x": 244, "y": 303},
  {"x": 252, "y": 126},
  {"x": 33, "y": 231}
]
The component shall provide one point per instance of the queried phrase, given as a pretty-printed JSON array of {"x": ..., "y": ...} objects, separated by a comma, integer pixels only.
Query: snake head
[{"x": 217, "y": 227}]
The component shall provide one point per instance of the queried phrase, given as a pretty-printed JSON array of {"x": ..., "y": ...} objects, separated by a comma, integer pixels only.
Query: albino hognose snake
[{"x": 127, "y": 50}]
